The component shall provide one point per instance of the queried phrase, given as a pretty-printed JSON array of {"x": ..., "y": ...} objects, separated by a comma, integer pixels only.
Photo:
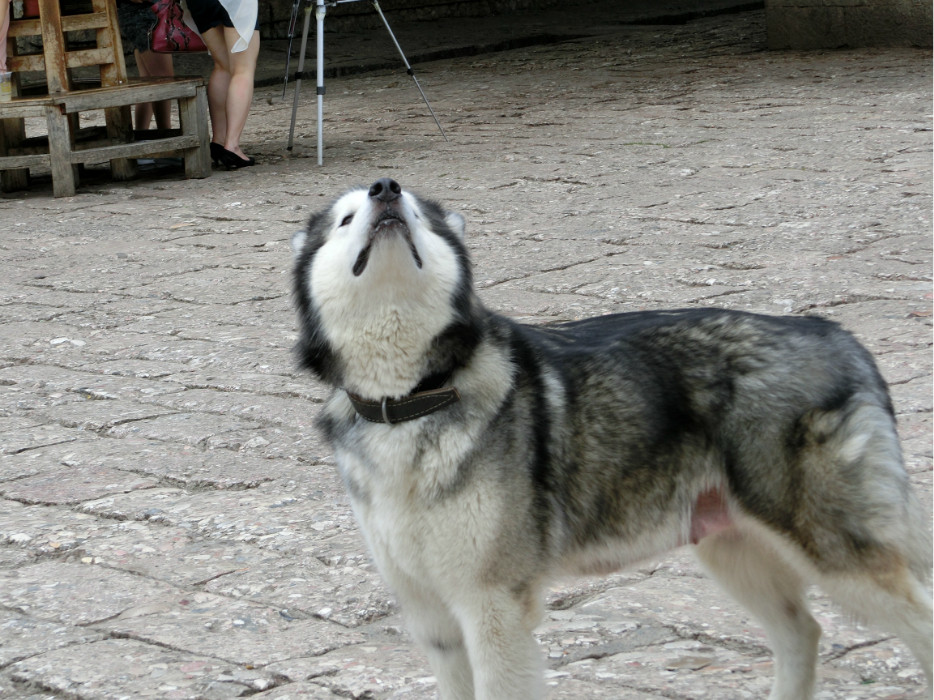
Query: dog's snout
[{"x": 385, "y": 190}]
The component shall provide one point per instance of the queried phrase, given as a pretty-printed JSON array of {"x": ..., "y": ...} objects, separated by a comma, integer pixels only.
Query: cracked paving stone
[
  {"x": 188, "y": 428},
  {"x": 92, "y": 384},
  {"x": 301, "y": 690},
  {"x": 348, "y": 595},
  {"x": 271, "y": 518},
  {"x": 179, "y": 464},
  {"x": 29, "y": 438},
  {"x": 75, "y": 593},
  {"x": 95, "y": 415},
  {"x": 239, "y": 631},
  {"x": 126, "y": 668},
  {"x": 25, "y": 636},
  {"x": 271, "y": 410},
  {"x": 73, "y": 484},
  {"x": 382, "y": 670}
]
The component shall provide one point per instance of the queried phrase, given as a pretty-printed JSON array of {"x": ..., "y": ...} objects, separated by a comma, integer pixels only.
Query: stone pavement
[{"x": 172, "y": 527}]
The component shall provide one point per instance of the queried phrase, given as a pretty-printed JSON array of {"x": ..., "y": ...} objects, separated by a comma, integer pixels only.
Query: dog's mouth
[{"x": 387, "y": 223}]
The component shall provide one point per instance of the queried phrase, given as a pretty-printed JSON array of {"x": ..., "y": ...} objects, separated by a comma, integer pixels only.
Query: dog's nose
[{"x": 385, "y": 190}]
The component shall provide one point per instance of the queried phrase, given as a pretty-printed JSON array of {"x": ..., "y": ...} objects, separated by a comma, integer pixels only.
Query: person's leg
[
  {"x": 218, "y": 84},
  {"x": 142, "y": 112},
  {"x": 240, "y": 88},
  {"x": 4, "y": 28},
  {"x": 155, "y": 65}
]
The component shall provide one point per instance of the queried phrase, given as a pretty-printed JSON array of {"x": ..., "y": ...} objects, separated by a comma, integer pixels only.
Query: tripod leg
[
  {"x": 298, "y": 77},
  {"x": 320, "y": 11},
  {"x": 408, "y": 68},
  {"x": 288, "y": 54}
]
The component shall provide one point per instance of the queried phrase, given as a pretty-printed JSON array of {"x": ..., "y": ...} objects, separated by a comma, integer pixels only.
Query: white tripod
[{"x": 320, "y": 11}]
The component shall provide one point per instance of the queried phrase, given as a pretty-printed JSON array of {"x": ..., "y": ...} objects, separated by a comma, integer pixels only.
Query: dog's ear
[
  {"x": 298, "y": 242},
  {"x": 456, "y": 222}
]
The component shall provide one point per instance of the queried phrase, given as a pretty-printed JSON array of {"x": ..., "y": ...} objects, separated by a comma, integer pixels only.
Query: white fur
[{"x": 382, "y": 322}]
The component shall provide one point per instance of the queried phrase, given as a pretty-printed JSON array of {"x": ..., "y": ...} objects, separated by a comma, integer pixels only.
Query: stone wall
[
  {"x": 274, "y": 15},
  {"x": 813, "y": 24},
  {"x": 791, "y": 24}
]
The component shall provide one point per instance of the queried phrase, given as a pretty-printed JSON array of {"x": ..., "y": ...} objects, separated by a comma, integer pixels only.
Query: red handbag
[{"x": 170, "y": 33}]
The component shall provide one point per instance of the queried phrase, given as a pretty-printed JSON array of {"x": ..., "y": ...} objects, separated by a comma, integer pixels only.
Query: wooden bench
[{"x": 66, "y": 144}]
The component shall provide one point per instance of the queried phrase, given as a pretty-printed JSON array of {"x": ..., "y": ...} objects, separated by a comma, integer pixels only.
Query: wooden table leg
[
  {"x": 193, "y": 118},
  {"x": 120, "y": 129},
  {"x": 12, "y": 134},
  {"x": 61, "y": 145}
]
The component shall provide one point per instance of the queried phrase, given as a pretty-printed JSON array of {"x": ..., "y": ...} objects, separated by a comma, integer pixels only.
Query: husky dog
[{"x": 484, "y": 457}]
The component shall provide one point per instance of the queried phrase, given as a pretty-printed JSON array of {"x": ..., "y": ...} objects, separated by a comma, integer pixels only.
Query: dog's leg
[
  {"x": 437, "y": 632},
  {"x": 867, "y": 534},
  {"x": 891, "y": 598},
  {"x": 440, "y": 637},
  {"x": 498, "y": 627},
  {"x": 444, "y": 645},
  {"x": 754, "y": 573}
]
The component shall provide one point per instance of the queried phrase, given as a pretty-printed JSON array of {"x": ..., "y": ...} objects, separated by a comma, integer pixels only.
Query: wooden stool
[{"x": 67, "y": 145}]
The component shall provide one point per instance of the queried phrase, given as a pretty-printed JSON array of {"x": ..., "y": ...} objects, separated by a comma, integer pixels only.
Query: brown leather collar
[
  {"x": 429, "y": 396},
  {"x": 415, "y": 405}
]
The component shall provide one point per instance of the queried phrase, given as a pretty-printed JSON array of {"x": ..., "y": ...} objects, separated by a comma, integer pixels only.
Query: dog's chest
[
  {"x": 408, "y": 495},
  {"x": 396, "y": 508}
]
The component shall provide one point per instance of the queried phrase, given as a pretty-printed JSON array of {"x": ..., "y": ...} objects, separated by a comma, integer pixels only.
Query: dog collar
[{"x": 429, "y": 396}]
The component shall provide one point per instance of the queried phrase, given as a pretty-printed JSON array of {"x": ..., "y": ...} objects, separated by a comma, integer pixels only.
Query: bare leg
[
  {"x": 218, "y": 84},
  {"x": 240, "y": 92},
  {"x": 154, "y": 65},
  {"x": 4, "y": 28},
  {"x": 230, "y": 89}
]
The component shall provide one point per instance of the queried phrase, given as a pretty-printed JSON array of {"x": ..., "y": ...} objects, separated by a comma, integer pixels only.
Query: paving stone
[
  {"x": 350, "y": 595},
  {"x": 97, "y": 415},
  {"x": 74, "y": 593},
  {"x": 180, "y": 520},
  {"x": 73, "y": 484},
  {"x": 24, "y": 636},
  {"x": 189, "y": 428},
  {"x": 301, "y": 690},
  {"x": 368, "y": 670},
  {"x": 124, "y": 667},
  {"x": 271, "y": 517},
  {"x": 18, "y": 440},
  {"x": 49, "y": 380},
  {"x": 248, "y": 634},
  {"x": 270, "y": 410}
]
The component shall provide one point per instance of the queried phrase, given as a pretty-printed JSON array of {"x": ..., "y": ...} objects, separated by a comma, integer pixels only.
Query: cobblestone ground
[{"x": 170, "y": 524}]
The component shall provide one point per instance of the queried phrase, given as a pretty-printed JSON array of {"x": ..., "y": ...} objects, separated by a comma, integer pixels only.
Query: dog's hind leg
[
  {"x": 862, "y": 526},
  {"x": 892, "y": 599},
  {"x": 758, "y": 577}
]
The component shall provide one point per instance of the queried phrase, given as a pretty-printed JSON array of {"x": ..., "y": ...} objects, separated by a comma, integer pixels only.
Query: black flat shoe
[
  {"x": 217, "y": 152},
  {"x": 233, "y": 161}
]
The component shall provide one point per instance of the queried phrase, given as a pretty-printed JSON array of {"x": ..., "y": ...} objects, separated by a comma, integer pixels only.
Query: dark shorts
[
  {"x": 135, "y": 22},
  {"x": 210, "y": 13}
]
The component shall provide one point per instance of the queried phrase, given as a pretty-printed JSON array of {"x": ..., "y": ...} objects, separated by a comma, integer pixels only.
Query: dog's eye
[{"x": 347, "y": 219}]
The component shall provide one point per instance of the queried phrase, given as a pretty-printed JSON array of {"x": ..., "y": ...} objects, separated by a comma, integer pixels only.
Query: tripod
[{"x": 320, "y": 11}]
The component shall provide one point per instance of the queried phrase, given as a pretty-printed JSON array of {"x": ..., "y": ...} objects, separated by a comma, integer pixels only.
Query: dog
[{"x": 484, "y": 457}]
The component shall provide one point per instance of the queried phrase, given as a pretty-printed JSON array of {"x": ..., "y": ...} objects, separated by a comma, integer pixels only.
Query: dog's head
[{"x": 382, "y": 278}]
